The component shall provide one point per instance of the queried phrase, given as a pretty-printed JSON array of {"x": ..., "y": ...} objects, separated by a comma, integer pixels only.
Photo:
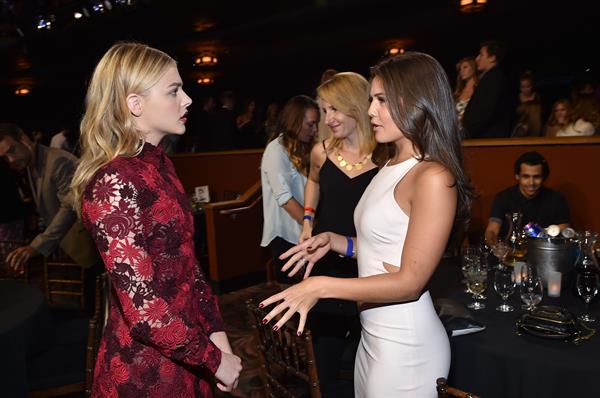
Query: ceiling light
[
  {"x": 22, "y": 91},
  {"x": 77, "y": 15},
  {"x": 470, "y": 6}
]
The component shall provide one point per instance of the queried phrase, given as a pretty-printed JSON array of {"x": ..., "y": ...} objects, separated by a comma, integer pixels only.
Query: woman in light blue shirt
[{"x": 284, "y": 167}]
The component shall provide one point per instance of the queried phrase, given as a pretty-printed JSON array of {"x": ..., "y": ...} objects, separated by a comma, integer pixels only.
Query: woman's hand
[
  {"x": 306, "y": 254},
  {"x": 298, "y": 298},
  {"x": 306, "y": 231},
  {"x": 228, "y": 372}
]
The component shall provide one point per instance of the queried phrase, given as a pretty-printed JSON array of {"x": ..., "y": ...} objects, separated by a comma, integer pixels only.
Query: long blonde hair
[
  {"x": 107, "y": 128},
  {"x": 348, "y": 92}
]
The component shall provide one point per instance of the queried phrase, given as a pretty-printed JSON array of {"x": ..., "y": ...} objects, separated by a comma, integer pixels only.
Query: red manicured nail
[
  {"x": 275, "y": 328},
  {"x": 264, "y": 321},
  {"x": 261, "y": 305}
]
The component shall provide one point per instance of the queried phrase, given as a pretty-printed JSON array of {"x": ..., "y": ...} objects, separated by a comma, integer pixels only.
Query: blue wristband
[
  {"x": 350, "y": 247},
  {"x": 307, "y": 217}
]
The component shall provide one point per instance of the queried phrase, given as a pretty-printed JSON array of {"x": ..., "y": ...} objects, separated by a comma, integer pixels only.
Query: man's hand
[{"x": 19, "y": 257}]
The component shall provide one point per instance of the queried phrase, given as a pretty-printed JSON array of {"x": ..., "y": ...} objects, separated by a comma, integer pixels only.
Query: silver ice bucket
[{"x": 552, "y": 254}]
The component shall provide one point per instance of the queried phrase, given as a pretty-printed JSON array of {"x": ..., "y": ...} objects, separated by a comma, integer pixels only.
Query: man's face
[
  {"x": 484, "y": 60},
  {"x": 530, "y": 180},
  {"x": 15, "y": 152}
]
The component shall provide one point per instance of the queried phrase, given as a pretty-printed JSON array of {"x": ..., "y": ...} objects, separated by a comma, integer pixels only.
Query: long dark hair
[
  {"x": 421, "y": 104},
  {"x": 289, "y": 125}
]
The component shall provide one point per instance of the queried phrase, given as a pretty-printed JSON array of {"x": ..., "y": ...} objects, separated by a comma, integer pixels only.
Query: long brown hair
[
  {"x": 289, "y": 125},
  {"x": 460, "y": 83},
  {"x": 421, "y": 105}
]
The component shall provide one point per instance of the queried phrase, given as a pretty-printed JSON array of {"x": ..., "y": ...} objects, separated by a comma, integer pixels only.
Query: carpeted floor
[{"x": 239, "y": 331}]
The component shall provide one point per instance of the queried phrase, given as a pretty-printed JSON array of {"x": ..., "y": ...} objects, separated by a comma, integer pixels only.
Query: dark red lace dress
[{"x": 156, "y": 342}]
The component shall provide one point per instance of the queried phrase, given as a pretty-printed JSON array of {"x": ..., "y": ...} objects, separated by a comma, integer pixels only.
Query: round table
[
  {"x": 499, "y": 363},
  {"x": 26, "y": 329}
]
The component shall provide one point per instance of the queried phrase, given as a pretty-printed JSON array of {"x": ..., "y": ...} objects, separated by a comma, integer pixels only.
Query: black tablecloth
[
  {"x": 26, "y": 329},
  {"x": 499, "y": 363}
]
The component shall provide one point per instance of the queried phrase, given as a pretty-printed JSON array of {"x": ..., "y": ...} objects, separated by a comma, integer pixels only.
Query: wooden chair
[
  {"x": 68, "y": 366},
  {"x": 96, "y": 328},
  {"x": 7, "y": 246},
  {"x": 450, "y": 392},
  {"x": 63, "y": 277},
  {"x": 288, "y": 367}
]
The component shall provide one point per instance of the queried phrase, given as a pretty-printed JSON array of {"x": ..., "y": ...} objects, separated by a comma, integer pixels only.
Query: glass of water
[
  {"x": 477, "y": 283},
  {"x": 504, "y": 284}
]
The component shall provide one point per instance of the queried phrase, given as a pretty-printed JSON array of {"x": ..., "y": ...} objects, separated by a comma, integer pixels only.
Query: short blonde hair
[
  {"x": 349, "y": 93},
  {"x": 107, "y": 128}
]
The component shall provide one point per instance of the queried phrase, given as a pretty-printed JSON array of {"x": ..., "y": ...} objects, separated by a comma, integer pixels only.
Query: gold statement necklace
[{"x": 344, "y": 164}]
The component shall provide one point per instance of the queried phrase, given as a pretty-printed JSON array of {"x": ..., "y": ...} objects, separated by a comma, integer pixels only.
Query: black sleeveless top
[{"x": 338, "y": 196}]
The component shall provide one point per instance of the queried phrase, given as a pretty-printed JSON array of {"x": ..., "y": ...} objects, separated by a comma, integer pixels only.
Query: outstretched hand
[
  {"x": 298, "y": 298},
  {"x": 306, "y": 254}
]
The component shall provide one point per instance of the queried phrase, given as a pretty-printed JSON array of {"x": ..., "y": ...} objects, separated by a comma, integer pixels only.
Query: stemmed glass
[
  {"x": 477, "y": 283},
  {"x": 500, "y": 250},
  {"x": 532, "y": 288},
  {"x": 587, "y": 288},
  {"x": 470, "y": 255},
  {"x": 504, "y": 284}
]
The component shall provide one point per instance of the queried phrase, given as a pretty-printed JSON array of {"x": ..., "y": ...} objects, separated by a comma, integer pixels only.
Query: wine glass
[
  {"x": 470, "y": 255},
  {"x": 587, "y": 288},
  {"x": 500, "y": 250},
  {"x": 477, "y": 283},
  {"x": 532, "y": 288},
  {"x": 504, "y": 284}
]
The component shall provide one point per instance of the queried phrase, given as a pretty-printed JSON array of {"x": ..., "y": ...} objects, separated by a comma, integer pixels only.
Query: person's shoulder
[
  {"x": 434, "y": 173},
  {"x": 551, "y": 194},
  {"x": 508, "y": 193}
]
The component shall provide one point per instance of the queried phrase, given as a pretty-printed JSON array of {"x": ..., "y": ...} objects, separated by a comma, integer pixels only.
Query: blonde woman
[
  {"x": 341, "y": 168},
  {"x": 164, "y": 333}
]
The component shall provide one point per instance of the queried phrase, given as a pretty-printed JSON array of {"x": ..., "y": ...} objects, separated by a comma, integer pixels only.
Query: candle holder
[{"x": 554, "y": 283}]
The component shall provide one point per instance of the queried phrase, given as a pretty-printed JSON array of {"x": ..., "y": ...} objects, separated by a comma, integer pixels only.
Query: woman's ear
[{"x": 134, "y": 103}]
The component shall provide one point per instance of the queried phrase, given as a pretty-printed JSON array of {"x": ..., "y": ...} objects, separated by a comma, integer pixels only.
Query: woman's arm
[
  {"x": 433, "y": 206},
  {"x": 311, "y": 190}
]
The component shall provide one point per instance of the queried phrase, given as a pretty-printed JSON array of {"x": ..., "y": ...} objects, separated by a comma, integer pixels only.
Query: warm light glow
[
  {"x": 468, "y": 6},
  {"x": 205, "y": 81},
  {"x": 206, "y": 60},
  {"x": 394, "y": 51},
  {"x": 22, "y": 91},
  {"x": 77, "y": 15}
]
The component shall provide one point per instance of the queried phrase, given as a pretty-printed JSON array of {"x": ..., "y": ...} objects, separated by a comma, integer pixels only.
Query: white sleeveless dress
[{"x": 404, "y": 347}]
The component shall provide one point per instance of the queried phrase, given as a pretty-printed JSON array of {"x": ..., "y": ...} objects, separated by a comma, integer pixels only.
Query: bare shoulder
[
  {"x": 318, "y": 154},
  {"x": 433, "y": 173}
]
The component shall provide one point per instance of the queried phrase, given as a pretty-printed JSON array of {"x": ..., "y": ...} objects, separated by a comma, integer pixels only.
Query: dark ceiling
[{"x": 271, "y": 49}]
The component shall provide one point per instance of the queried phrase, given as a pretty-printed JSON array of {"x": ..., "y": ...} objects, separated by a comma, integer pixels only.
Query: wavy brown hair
[
  {"x": 460, "y": 83},
  {"x": 421, "y": 105},
  {"x": 289, "y": 125}
]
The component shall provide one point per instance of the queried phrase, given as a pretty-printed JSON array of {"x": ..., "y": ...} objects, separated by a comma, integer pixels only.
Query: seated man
[{"x": 536, "y": 203}]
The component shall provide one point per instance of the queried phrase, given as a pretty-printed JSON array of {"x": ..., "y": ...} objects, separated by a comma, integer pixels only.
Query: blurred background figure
[
  {"x": 270, "y": 123},
  {"x": 529, "y": 110},
  {"x": 585, "y": 119},
  {"x": 560, "y": 116},
  {"x": 466, "y": 81},
  {"x": 248, "y": 125}
]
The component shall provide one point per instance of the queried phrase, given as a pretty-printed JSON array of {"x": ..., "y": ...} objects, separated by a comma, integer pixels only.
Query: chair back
[
  {"x": 7, "y": 246},
  {"x": 288, "y": 367},
  {"x": 450, "y": 392},
  {"x": 63, "y": 277},
  {"x": 96, "y": 328}
]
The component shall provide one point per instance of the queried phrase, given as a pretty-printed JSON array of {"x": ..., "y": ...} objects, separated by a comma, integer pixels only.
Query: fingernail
[
  {"x": 299, "y": 334},
  {"x": 264, "y": 321},
  {"x": 275, "y": 328},
  {"x": 261, "y": 305}
]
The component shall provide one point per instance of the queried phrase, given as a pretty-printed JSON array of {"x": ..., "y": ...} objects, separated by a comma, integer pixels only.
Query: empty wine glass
[
  {"x": 587, "y": 288},
  {"x": 477, "y": 283},
  {"x": 504, "y": 284},
  {"x": 532, "y": 288}
]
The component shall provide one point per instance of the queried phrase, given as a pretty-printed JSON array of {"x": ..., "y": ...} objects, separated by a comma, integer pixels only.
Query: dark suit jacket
[{"x": 488, "y": 112}]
